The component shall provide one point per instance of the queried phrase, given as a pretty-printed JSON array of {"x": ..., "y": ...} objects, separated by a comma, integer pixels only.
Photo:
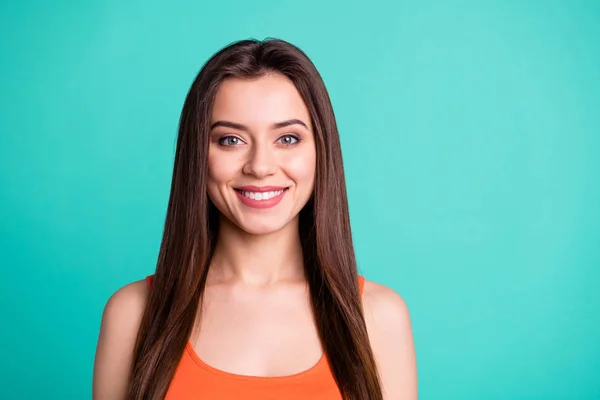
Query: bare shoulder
[
  {"x": 124, "y": 307},
  {"x": 119, "y": 326},
  {"x": 385, "y": 306},
  {"x": 128, "y": 300},
  {"x": 390, "y": 333}
]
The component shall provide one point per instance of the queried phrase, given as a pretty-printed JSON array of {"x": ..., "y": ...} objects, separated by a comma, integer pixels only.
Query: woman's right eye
[{"x": 229, "y": 140}]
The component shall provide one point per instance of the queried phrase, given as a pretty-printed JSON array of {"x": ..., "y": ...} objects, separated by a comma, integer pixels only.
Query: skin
[{"x": 257, "y": 273}]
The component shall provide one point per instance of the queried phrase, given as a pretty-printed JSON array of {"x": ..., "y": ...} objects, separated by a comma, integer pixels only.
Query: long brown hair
[{"x": 191, "y": 228}]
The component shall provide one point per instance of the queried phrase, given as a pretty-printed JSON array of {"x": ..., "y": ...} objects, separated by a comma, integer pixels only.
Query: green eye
[
  {"x": 229, "y": 141},
  {"x": 289, "y": 140}
]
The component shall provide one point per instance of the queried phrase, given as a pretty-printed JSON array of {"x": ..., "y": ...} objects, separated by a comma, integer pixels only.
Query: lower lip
[{"x": 272, "y": 202}]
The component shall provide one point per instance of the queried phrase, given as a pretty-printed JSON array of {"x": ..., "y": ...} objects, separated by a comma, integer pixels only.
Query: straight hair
[{"x": 192, "y": 224}]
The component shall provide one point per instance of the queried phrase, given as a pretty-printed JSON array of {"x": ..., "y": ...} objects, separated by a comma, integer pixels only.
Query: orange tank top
[{"x": 194, "y": 379}]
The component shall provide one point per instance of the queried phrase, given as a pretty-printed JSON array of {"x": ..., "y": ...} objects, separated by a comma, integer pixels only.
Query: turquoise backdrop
[{"x": 470, "y": 133}]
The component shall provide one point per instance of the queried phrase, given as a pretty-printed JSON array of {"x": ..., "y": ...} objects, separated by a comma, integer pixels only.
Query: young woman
[{"x": 256, "y": 293}]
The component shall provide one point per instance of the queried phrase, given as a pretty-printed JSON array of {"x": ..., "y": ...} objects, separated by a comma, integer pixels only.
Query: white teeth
[{"x": 262, "y": 195}]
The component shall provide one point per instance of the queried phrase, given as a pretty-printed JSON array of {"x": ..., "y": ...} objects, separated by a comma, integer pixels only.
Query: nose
[{"x": 261, "y": 161}]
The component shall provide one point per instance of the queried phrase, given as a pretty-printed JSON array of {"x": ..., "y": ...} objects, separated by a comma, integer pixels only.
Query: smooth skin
[{"x": 257, "y": 272}]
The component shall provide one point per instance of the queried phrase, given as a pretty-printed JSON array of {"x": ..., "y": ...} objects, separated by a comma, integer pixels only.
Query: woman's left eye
[{"x": 289, "y": 140}]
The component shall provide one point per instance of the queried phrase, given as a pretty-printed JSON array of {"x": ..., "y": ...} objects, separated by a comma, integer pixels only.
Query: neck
[{"x": 257, "y": 260}]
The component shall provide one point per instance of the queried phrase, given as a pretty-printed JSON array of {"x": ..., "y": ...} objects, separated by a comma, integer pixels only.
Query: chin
[{"x": 262, "y": 227}]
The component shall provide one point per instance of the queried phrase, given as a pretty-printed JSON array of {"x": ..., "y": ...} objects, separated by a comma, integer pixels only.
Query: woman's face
[{"x": 262, "y": 157}]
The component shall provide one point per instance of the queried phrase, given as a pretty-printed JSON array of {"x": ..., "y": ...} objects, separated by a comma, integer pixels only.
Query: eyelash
[{"x": 223, "y": 138}]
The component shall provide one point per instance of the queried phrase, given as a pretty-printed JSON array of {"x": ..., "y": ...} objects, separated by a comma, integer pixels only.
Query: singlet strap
[
  {"x": 361, "y": 284},
  {"x": 149, "y": 281}
]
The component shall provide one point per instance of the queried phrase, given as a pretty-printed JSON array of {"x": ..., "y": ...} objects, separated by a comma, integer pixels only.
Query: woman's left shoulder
[
  {"x": 390, "y": 333},
  {"x": 384, "y": 304}
]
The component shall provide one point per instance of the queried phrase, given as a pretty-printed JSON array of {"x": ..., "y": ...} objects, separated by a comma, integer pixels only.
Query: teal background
[{"x": 470, "y": 133}]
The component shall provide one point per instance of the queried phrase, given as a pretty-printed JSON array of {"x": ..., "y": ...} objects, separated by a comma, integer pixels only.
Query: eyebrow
[{"x": 277, "y": 125}]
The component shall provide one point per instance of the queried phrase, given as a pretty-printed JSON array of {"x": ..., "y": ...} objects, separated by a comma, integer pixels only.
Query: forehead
[{"x": 264, "y": 100}]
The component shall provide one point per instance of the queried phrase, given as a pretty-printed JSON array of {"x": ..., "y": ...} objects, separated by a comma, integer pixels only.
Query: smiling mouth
[{"x": 261, "y": 195}]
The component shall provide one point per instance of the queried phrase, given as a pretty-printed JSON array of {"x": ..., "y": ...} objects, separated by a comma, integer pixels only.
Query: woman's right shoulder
[
  {"x": 127, "y": 302},
  {"x": 123, "y": 312},
  {"x": 119, "y": 327}
]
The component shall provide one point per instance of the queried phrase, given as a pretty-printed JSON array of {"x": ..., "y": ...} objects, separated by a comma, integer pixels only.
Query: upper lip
[{"x": 260, "y": 189}]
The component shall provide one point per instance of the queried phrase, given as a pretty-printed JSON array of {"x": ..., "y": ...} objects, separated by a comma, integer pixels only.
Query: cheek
[
  {"x": 221, "y": 170},
  {"x": 301, "y": 168}
]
